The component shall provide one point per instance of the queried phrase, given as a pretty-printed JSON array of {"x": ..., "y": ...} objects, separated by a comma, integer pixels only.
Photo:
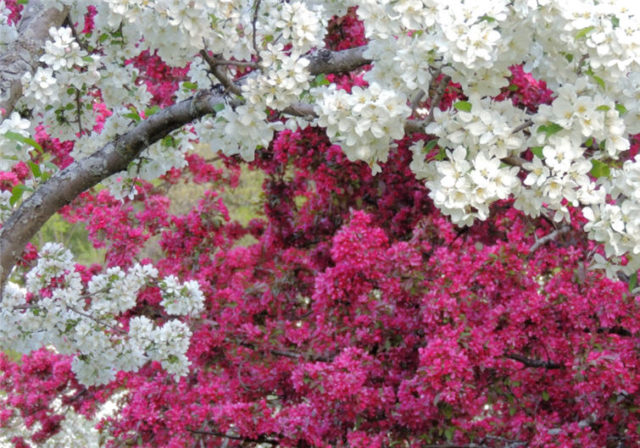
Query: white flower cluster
[
  {"x": 167, "y": 344},
  {"x": 583, "y": 116},
  {"x": 63, "y": 52},
  {"x": 303, "y": 26},
  {"x": 184, "y": 299},
  {"x": 11, "y": 150},
  {"x": 617, "y": 224},
  {"x": 282, "y": 84},
  {"x": 54, "y": 261},
  {"x": 238, "y": 131},
  {"x": 115, "y": 291},
  {"x": 464, "y": 189},
  {"x": 364, "y": 122},
  {"x": 86, "y": 323},
  {"x": 75, "y": 430},
  {"x": 57, "y": 92},
  {"x": 472, "y": 177}
]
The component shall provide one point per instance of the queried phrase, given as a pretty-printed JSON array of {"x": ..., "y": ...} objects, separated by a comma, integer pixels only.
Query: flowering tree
[{"x": 451, "y": 235}]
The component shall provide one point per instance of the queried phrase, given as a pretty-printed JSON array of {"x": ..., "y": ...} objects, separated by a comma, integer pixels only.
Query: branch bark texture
[{"x": 22, "y": 55}]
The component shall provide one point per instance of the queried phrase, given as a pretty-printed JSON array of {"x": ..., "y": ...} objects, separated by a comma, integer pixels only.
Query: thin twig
[
  {"x": 254, "y": 21},
  {"x": 415, "y": 101},
  {"x": 522, "y": 127},
  {"x": 288, "y": 354},
  {"x": 545, "y": 239},
  {"x": 435, "y": 101},
  {"x": 79, "y": 110},
  {"x": 236, "y": 63},
  {"x": 259, "y": 439},
  {"x": 538, "y": 363},
  {"x": 219, "y": 74},
  {"x": 74, "y": 33}
]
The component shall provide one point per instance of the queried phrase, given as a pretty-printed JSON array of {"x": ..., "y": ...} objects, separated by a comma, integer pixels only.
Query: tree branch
[
  {"x": 259, "y": 439},
  {"x": 550, "y": 237},
  {"x": 85, "y": 173},
  {"x": 327, "y": 61},
  {"x": 218, "y": 72},
  {"x": 22, "y": 56},
  {"x": 115, "y": 156},
  {"x": 537, "y": 363},
  {"x": 437, "y": 97}
]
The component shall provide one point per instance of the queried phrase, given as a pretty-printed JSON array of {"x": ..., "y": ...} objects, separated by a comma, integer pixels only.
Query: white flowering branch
[
  {"x": 116, "y": 155},
  {"x": 85, "y": 173},
  {"x": 21, "y": 56}
]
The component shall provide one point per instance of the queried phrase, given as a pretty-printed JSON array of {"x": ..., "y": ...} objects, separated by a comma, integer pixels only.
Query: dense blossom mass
[{"x": 448, "y": 247}]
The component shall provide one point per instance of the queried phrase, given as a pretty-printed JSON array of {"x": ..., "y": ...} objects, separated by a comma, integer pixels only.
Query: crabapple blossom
[{"x": 444, "y": 251}]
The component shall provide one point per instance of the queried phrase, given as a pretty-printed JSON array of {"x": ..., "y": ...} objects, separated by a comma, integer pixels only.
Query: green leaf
[
  {"x": 17, "y": 192},
  {"x": 621, "y": 109},
  {"x": 134, "y": 116},
  {"x": 35, "y": 168},
  {"x": 545, "y": 395},
  {"x": 218, "y": 107},
  {"x": 151, "y": 110},
  {"x": 449, "y": 432},
  {"x": 537, "y": 151},
  {"x": 550, "y": 128},
  {"x": 603, "y": 108},
  {"x": 633, "y": 281},
  {"x": 599, "y": 169},
  {"x": 103, "y": 37},
  {"x": 513, "y": 87},
  {"x": 188, "y": 85},
  {"x": 442, "y": 154},
  {"x": 22, "y": 139},
  {"x": 321, "y": 80},
  {"x": 589, "y": 142},
  {"x": 584, "y": 31},
  {"x": 599, "y": 81},
  {"x": 615, "y": 21},
  {"x": 464, "y": 106},
  {"x": 430, "y": 145}
]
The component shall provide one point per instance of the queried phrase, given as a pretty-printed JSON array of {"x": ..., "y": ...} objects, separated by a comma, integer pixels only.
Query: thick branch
[
  {"x": 327, "y": 61},
  {"x": 83, "y": 174},
  {"x": 537, "y": 363},
  {"x": 22, "y": 56}
]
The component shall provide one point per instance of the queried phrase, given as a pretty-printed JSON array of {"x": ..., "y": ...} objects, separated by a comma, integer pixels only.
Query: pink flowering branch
[{"x": 22, "y": 55}]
